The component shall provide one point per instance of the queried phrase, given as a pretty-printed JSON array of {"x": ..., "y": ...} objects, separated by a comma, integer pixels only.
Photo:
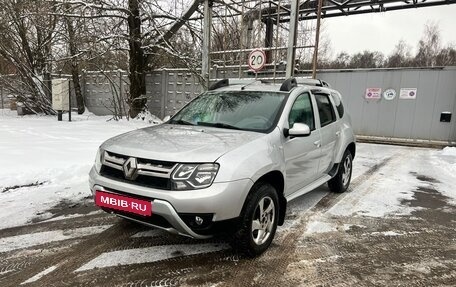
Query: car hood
[{"x": 179, "y": 143}]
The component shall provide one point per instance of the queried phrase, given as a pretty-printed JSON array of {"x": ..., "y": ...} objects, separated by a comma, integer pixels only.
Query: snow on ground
[
  {"x": 39, "y": 275},
  {"x": 33, "y": 239},
  {"x": 58, "y": 155},
  {"x": 408, "y": 169},
  {"x": 383, "y": 192},
  {"x": 320, "y": 227},
  {"x": 149, "y": 254},
  {"x": 447, "y": 157}
]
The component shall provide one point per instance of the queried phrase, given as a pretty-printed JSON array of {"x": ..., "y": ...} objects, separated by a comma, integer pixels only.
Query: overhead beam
[{"x": 334, "y": 8}]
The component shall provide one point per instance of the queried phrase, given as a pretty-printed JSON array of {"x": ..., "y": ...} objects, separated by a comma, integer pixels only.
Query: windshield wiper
[
  {"x": 219, "y": 125},
  {"x": 181, "y": 122}
]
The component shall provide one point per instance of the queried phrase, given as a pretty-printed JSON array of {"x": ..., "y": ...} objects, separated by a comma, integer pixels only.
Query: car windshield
[{"x": 241, "y": 110}]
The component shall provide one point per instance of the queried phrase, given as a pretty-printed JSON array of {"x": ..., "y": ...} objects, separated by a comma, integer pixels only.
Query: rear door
[
  {"x": 329, "y": 132},
  {"x": 302, "y": 154}
]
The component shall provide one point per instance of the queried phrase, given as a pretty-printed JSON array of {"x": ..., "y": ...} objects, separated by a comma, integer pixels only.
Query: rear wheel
[
  {"x": 341, "y": 181},
  {"x": 258, "y": 221}
]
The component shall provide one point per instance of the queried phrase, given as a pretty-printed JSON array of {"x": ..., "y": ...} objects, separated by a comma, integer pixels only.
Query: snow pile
[
  {"x": 43, "y": 161},
  {"x": 449, "y": 151},
  {"x": 448, "y": 156}
]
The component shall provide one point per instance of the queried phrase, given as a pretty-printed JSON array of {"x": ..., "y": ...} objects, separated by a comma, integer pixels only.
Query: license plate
[{"x": 123, "y": 203}]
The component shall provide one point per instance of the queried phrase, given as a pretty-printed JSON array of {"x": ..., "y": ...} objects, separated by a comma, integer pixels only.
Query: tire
[
  {"x": 253, "y": 242},
  {"x": 341, "y": 181}
]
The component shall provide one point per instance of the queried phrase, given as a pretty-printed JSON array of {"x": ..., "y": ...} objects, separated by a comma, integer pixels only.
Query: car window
[
  {"x": 337, "y": 100},
  {"x": 301, "y": 112},
  {"x": 325, "y": 110},
  {"x": 242, "y": 110}
]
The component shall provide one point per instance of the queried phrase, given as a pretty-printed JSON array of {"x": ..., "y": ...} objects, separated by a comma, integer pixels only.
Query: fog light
[{"x": 198, "y": 220}]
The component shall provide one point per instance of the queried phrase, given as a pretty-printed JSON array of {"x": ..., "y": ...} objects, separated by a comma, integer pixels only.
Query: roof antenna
[{"x": 243, "y": 87}]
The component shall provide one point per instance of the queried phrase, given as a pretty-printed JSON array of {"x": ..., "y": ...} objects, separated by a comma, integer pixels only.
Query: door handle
[
  {"x": 317, "y": 143},
  {"x": 337, "y": 133}
]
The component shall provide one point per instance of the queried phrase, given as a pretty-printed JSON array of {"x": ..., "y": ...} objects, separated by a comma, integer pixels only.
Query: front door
[{"x": 302, "y": 154}]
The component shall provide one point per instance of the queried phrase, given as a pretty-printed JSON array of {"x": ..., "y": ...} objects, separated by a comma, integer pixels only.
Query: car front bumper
[{"x": 222, "y": 201}]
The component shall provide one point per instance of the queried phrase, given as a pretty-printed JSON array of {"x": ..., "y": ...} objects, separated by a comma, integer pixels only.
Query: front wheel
[
  {"x": 258, "y": 221},
  {"x": 341, "y": 181}
]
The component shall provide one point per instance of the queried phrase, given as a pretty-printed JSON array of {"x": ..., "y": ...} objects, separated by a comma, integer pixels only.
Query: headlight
[
  {"x": 99, "y": 160},
  {"x": 194, "y": 176}
]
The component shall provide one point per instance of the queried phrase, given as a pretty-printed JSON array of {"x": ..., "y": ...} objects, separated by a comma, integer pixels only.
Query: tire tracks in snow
[
  {"x": 205, "y": 267},
  {"x": 68, "y": 261},
  {"x": 64, "y": 223},
  {"x": 275, "y": 261}
]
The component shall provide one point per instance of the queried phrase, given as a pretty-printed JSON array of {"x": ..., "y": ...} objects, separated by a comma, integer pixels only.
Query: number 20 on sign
[{"x": 257, "y": 60}]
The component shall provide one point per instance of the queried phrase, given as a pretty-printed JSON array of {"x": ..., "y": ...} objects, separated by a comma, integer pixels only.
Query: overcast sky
[{"x": 382, "y": 31}]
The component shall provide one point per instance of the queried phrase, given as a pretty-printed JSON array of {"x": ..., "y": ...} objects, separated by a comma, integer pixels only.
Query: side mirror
[
  {"x": 299, "y": 130},
  {"x": 165, "y": 119}
]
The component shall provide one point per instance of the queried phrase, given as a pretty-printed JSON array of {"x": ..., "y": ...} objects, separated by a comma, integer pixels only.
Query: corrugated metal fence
[{"x": 419, "y": 119}]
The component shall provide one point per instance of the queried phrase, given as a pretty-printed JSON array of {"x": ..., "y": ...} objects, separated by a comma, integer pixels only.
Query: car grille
[{"x": 148, "y": 173}]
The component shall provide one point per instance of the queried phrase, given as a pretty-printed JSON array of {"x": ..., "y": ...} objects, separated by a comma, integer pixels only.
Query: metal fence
[
  {"x": 168, "y": 90},
  {"x": 413, "y": 119}
]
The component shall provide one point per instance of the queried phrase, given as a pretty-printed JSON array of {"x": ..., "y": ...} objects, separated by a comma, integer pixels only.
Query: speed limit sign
[{"x": 257, "y": 60}]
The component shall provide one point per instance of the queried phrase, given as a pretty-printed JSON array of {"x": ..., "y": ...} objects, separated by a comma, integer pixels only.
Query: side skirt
[{"x": 322, "y": 180}]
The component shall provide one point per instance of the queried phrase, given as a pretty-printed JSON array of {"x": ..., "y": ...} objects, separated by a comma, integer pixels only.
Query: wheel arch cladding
[
  {"x": 276, "y": 179},
  {"x": 352, "y": 148}
]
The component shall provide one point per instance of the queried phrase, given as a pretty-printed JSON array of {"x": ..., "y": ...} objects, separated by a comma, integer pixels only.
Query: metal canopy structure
[
  {"x": 335, "y": 8},
  {"x": 276, "y": 27}
]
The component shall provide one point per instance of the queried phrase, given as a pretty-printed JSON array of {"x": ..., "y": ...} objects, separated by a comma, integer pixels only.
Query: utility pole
[
  {"x": 317, "y": 40},
  {"x": 206, "y": 69}
]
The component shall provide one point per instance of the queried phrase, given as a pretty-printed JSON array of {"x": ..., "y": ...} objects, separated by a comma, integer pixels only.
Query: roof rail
[
  {"x": 219, "y": 84},
  {"x": 227, "y": 82},
  {"x": 312, "y": 82},
  {"x": 288, "y": 85}
]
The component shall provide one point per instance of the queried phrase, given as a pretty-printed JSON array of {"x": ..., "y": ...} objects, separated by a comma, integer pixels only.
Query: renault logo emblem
[{"x": 130, "y": 168}]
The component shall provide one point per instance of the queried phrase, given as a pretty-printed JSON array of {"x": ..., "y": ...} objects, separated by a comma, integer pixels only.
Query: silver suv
[{"x": 229, "y": 161}]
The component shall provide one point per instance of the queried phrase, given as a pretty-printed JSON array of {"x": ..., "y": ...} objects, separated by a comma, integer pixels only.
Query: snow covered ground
[{"x": 55, "y": 156}]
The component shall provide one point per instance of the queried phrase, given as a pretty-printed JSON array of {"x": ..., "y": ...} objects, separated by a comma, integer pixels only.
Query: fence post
[
  {"x": 83, "y": 88},
  {"x": 121, "y": 99},
  {"x": 1, "y": 95},
  {"x": 164, "y": 92},
  {"x": 70, "y": 87}
]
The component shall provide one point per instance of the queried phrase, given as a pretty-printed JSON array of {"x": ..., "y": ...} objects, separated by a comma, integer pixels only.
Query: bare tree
[
  {"x": 73, "y": 53},
  {"x": 341, "y": 61},
  {"x": 446, "y": 56},
  {"x": 367, "y": 59},
  {"x": 133, "y": 26},
  {"x": 137, "y": 99},
  {"x": 26, "y": 44},
  {"x": 428, "y": 46},
  {"x": 401, "y": 56}
]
